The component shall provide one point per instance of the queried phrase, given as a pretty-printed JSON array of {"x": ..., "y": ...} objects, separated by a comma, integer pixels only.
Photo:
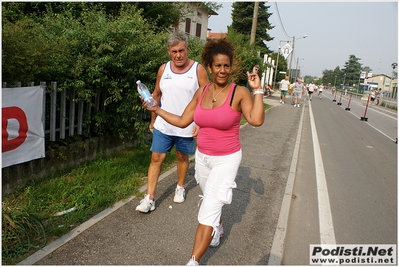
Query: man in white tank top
[{"x": 177, "y": 81}]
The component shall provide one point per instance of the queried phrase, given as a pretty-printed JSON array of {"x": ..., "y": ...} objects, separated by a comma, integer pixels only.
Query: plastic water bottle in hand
[{"x": 145, "y": 94}]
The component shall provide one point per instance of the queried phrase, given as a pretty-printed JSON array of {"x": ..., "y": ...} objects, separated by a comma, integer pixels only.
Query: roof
[
  {"x": 217, "y": 35},
  {"x": 378, "y": 75}
]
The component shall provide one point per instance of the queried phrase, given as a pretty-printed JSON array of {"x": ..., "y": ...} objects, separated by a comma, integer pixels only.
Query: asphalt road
[{"x": 359, "y": 162}]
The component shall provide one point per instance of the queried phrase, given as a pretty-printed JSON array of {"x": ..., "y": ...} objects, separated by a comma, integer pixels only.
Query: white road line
[
  {"x": 327, "y": 235},
  {"x": 378, "y": 130}
]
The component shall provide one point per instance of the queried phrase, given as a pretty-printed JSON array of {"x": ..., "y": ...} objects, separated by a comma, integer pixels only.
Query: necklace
[{"x": 213, "y": 91}]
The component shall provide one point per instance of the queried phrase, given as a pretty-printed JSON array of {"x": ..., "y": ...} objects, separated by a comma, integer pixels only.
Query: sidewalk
[{"x": 122, "y": 236}]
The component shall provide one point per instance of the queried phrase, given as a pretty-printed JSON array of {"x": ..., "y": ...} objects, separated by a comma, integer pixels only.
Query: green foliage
[
  {"x": 211, "y": 6},
  {"x": 89, "y": 54},
  {"x": 242, "y": 17},
  {"x": 244, "y": 57},
  {"x": 332, "y": 77},
  {"x": 349, "y": 74},
  {"x": 22, "y": 42},
  {"x": 352, "y": 70},
  {"x": 21, "y": 231}
]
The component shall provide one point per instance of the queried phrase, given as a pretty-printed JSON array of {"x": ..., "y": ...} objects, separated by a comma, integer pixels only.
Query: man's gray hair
[{"x": 176, "y": 37}]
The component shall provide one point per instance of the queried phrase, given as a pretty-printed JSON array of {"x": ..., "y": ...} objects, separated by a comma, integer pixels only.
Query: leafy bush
[{"x": 93, "y": 53}]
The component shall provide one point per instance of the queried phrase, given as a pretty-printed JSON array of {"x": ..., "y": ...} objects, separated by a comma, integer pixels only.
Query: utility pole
[
  {"x": 254, "y": 23},
  {"x": 292, "y": 53}
]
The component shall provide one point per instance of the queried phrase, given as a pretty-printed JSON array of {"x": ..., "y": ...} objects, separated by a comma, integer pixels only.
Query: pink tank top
[{"x": 219, "y": 132}]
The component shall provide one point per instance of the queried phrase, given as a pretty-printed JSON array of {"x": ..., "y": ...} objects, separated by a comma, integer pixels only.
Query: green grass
[
  {"x": 384, "y": 104},
  {"x": 243, "y": 120},
  {"x": 28, "y": 221}
]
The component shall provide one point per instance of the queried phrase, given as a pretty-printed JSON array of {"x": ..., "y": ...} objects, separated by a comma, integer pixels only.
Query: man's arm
[{"x": 157, "y": 94}]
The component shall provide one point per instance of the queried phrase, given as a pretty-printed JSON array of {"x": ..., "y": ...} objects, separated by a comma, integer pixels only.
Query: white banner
[
  {"x": 363, "y": 75},
  {"x": 22, "y": 127}
]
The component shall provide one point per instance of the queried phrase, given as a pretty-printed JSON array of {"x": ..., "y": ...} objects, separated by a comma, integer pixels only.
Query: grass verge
[{"x": 29, "y": 219}]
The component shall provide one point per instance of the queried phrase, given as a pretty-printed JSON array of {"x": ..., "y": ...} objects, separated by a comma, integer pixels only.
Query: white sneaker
[
  {"x": 217, "y": 235},
  {"x": 146, "y": 204},
  {"x": 180, "y": 193},
  {"x": 298, "y": 105},
  {"x": 282, "y": 103},
  {"x": 192, "y": 262},
  {"x": 294, "y": 105}
]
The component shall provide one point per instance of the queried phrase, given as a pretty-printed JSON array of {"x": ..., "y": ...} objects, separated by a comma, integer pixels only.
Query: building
[
  {"x": 216, "y": 35},
  {"x": 195, "y": 23},
  {"x": 386, "y": 83}
]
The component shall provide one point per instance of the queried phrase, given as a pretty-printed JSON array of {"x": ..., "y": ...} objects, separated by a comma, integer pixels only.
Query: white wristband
[{"x": 258, "y": 92}]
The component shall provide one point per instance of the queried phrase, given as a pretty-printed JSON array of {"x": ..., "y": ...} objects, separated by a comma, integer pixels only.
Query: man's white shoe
[
  {"x": 180, "y": 193},
  {"x": 146, "y": 204}
]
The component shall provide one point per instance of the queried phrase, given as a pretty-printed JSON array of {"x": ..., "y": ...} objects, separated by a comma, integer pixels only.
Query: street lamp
[
  {"x": 278, "y": 55},
  {"x": 393, "y": 65},
  {"x": 292, "y": 52},
  {"x": 296, "y": 68}
]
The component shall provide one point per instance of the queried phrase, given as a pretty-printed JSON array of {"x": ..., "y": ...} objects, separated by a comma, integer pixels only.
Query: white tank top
[{"x": 177, "y": 90}]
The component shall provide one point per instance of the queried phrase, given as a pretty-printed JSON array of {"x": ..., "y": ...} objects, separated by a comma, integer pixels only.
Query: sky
[{"x": 335, "y": 30}]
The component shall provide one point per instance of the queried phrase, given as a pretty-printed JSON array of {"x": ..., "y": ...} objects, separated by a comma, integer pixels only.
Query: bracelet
[{"x": 258, "y": 92}]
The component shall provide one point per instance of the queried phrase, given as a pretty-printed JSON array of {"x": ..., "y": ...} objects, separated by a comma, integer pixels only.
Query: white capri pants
[{"x": 216, "y": 176}]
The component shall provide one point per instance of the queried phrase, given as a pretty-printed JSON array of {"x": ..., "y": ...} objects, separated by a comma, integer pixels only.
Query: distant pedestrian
[
  {"x": 311, "y": 86},
  {"x": 299, "y": 89},
  {"x": 378, "y": 96},
  {"x": 372, "y": 96},
  {"x": 321, "y": 88},
  {"x": 284, "y": 85}
]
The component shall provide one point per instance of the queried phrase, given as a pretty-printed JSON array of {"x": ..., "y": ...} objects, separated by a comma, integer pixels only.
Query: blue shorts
[{"x": 162, "y": 143}]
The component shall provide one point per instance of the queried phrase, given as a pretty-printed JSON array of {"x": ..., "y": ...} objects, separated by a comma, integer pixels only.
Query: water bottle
[{"x": 145, "y": 94}]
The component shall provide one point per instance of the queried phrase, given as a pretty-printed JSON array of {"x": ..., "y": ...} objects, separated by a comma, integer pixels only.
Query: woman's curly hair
[{"x": 219, "y": 47}]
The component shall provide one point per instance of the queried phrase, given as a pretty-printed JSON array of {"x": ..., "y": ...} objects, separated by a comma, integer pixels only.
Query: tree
[
  {"x": 244, "y": 57},
  {"x": 161, "y": 15},
  {"x": 242, "y": 15},
  {"x": 332, "y": 77},
  {"x": 352, "y": 70}
]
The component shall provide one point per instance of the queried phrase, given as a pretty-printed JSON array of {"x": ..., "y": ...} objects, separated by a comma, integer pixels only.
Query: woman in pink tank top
[{"x": 217, "y": 108}]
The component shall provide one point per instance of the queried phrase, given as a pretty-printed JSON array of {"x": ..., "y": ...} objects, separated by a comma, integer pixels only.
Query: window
[
  {"x": 188, "y": 25},
  {"x": 198, "y": 30}
]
